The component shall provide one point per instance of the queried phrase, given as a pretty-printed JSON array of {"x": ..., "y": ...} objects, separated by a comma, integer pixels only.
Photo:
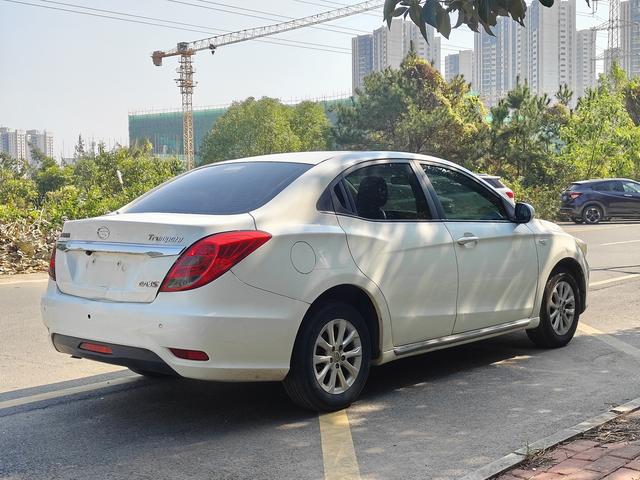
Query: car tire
[
  {"x": 306, "y": 384},
  {"x": 577, "y": 220},
  {"x": 561, "y": 298},
  {"x": 592, "y": 214}
]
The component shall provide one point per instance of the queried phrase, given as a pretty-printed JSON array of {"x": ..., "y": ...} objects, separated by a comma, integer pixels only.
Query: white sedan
[{"x": 308, "y": 268}]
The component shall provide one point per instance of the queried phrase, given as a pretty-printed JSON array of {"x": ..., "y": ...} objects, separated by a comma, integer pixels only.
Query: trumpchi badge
[{"x": 103, "y": 233}]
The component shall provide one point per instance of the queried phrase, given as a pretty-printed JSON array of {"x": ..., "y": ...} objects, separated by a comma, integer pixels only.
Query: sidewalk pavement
[{"x": 585, "y": 459}]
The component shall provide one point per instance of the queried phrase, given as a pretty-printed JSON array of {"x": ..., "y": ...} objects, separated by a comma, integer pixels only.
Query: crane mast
[{"x": 186, "y": 50}]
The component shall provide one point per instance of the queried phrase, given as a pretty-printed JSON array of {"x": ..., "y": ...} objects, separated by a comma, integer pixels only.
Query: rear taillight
[
  {"x": 510, "y": 194},
  {"x": 96, "y": 348},
  {"x": 207, "y": 259},
  {"x": 52, "y": 264},
  {"x": 574, "y": 195},
  {"x": 196, "y": 355}
]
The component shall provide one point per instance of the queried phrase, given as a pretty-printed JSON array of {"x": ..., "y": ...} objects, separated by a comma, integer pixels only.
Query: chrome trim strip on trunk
[
  {"x": 115, "y": 247},
  {"x": 441, "y": 342}
]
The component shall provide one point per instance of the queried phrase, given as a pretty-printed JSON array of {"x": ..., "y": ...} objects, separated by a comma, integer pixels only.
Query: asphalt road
[{"x": 436, "y": 416}]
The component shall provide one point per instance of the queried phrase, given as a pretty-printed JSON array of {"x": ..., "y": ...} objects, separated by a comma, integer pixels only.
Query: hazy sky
[{"x": 73, "y": 73}]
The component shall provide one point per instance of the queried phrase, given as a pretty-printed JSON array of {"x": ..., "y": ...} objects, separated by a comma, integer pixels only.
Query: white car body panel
[
  {"x": 492, "y": 290},
  {"x": 247, "y": 320},
  {"x": 403, "y": 259}
]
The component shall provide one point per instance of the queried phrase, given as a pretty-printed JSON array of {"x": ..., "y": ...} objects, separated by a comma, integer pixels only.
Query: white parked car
[
  {"x": 308, "y": 268},
  {"x": 496, "y": 182}
]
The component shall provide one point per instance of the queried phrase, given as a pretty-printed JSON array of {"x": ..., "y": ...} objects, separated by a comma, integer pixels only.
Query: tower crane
[{"x": 186, "y": 50}]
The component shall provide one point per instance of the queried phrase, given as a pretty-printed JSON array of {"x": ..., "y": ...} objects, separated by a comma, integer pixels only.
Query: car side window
[
  {"x": 631, "y": 187},
  {"x": 387, "y": 191},
  {"x": 462, "y": 198},
  {"x": 603, "y": 187}
]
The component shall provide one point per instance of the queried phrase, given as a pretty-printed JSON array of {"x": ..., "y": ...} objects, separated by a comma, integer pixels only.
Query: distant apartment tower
[
  {"x": 498, "y": 61},
  {"x": 460, "y": 63},
  {"x": 543, "y": 54},
  {"x": 19, "y": 143},
  {"x": 361, "y": 59},
  {"x": 42, "y": 141},
  {"x": 567, "y": 41},
  {"x": 13, "y": 142},
  {"x": 585, "y": 61},
  {"x": 629, "y": 38},
  {"x": 388, "y": 46},
  {"x": 413, "y": 39}
]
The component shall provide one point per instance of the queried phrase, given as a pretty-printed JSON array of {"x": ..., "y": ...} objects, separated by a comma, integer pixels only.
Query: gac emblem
[{"x": 103, "y": 233}]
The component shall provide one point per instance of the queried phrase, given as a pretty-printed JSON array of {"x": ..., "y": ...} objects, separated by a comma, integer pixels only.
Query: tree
[
  {"x": 472, "y": 13},
  {"x": 525, "y": 137},
  {"x": 601, "y": 138},
  {"x": 564, "y": 95},
  {"x": 414, "y": 109},
  {"x": 258, "y": 127},
  {"x": 79, "y": 150}
]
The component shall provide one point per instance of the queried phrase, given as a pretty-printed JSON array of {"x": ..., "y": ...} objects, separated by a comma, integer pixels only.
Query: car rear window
[
  {"x": 225, "y": 189},
  {"x": 577, "y": 186}
]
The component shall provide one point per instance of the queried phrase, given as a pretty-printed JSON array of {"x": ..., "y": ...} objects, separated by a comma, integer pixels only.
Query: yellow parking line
[
  {"x": 614, "y": 279},
  {"x": 338, "y": 453},
  {"x": 610, "y": 340},
  {"x": 16, "y": 402}
]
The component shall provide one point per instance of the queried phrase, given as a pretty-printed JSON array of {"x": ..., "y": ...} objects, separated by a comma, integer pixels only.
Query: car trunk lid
[{"x": 125, "y": 257}]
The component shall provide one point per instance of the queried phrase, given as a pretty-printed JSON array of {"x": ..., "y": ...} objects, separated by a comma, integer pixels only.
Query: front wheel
[
  {"x": 331, "y": 358},
  {"x": 559, "y": 314}
]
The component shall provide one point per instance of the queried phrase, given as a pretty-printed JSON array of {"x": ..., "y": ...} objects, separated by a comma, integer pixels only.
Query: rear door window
[
  {"x": 224, "y": 189},
  {"x": 387, "y": 191}
]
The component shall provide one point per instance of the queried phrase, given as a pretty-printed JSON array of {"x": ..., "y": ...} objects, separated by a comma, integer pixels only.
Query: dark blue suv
[{"x": 591, "y": 201}]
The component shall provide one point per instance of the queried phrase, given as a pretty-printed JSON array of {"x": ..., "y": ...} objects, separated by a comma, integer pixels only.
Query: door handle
[
  {"x": 467, "y": 239},
  {"x": 628, "y": 195}
]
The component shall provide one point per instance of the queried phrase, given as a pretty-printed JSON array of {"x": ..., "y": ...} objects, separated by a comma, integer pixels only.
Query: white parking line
[
  {"x": 338, "y": 453},
  {"x": 614, "y": 279},
  {"x": 609, "y": 340},
  {"x": 618, "y": 243},
  {"x": 14, "y": 282},
  {"x": 38, "y": 397}
]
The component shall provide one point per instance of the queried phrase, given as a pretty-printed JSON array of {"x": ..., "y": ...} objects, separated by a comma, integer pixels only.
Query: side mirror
[{"x": 524, "y": 213}]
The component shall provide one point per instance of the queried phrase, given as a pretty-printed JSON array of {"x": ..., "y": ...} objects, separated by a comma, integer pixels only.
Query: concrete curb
[{"x": 515, "y": 458}]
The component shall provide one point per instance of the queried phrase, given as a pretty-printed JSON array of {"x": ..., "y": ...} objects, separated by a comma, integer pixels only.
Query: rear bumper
[
  {"x": 570, "y": 211},
  {"x": 247, "y": 333},
  {"x": 132, "y": 357}
]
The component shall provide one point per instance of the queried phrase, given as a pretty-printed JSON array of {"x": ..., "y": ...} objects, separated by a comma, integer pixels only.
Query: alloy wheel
[
  {"x": 562, "y": 307},
  {"x": 337, "y": 356},
  {"x": 592, "y": 215}
]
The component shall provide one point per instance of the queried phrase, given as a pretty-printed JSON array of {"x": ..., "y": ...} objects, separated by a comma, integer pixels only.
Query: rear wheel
[
  {"x": 559, "y": 314},
  {"x": 592, "y": 214},
  {"x": 331, "y": 358}
]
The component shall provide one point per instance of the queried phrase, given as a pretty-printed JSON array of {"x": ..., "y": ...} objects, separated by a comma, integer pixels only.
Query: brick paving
[{"x": 585, "y": 460}]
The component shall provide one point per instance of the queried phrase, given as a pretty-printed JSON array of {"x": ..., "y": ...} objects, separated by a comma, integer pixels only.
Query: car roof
[
  {"x": 345, "y": 157},
  {"x": 596, "y": 180},
  {"x": 486, "y": 175}
]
